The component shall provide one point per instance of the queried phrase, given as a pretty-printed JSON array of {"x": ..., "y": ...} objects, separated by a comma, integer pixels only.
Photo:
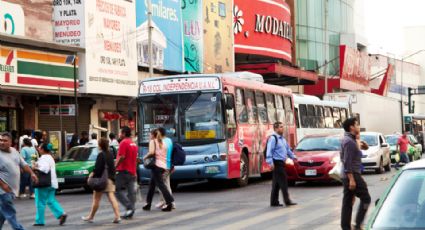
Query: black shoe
[
  {"x": 168, "y": 208},
  {"x": 38, "y": 225},
  {"x": 128, "y": 214},
  {"x": 147, "y": 207},
  {"x": 290, "y": 203},
  {"x": 276, "y": 205},
  {"x": 62, "y": 219}
]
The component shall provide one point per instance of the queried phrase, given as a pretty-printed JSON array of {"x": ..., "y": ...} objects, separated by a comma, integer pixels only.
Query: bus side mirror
[{"x": 229, "y": 102}]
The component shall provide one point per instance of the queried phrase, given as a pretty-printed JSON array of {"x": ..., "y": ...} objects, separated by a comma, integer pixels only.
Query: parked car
[
  {"x": 402, "y": 206},
  {"x": 413, "y": 152},
  {"x": 316, "y": 156},
  {"x": 74, "y": 168},
  {"x": 377, "y": 157}
]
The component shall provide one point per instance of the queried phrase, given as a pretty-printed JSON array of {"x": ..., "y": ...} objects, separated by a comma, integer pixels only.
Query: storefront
[{"x": 9, "y": 113}]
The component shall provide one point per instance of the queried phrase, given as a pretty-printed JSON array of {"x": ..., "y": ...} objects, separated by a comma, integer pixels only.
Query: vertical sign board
[
  {"x": 218, "y": 35},
  {"x": 167, "y": 39},
  {"x": 354, "y": 65},
  {"x": 110, "y": 59},
  {"x": 68, "y": 22},
  {"x": 193, "y": 35}
]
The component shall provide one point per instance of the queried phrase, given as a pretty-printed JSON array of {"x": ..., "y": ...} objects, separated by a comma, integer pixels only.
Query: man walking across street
[
  {"x": 277, "y": 154},
  {"x": 402, "y": 145},
  {"x": 125, "y": 180},
  {"x": 10, "y": 165},
  {"x": 354, "y": 185}
]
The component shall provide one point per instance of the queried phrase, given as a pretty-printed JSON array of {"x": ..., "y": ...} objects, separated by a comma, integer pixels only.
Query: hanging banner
[
  {"x": 193, "y": 35},
  {"x": 167, "y": 39}
]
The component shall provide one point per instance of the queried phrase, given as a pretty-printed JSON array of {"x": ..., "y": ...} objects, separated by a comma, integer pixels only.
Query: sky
[{"x": 384, "y": 21}]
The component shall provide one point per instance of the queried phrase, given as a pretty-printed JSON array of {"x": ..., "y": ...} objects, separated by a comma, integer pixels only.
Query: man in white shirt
[{"x": 93, "y": 140}]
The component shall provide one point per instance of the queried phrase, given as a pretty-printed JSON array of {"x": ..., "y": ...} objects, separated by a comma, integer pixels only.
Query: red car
[{"x": 316, "y": 156}]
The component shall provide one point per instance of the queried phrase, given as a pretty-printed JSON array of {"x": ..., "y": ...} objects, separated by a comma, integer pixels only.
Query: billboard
[
  {"x": 167, "y": 39},
  {"x": 263, "y": 28},
  {"x": 68, "y": 22},
  {"x": 218, "y": 34},
  {"x": 354, "y": 65},
  {"x": 193, "y": 35}
]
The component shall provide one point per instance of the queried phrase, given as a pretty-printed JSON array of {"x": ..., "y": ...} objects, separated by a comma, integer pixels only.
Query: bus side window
[
  {"x": 343, "y": 114},
  {"x": 241, "y": 110},
  {"x": 303, "y": 116},
  {"x": 230, "y": 119},
  {"x": 261, "y": 107},
  {"x": 280, "y": 111},
  {"x": 337, "y": 118},
  {"x": 271, "y": 108},
  {"x": 328, "y": 118},
  {"x": 288, "y": 110},
  {"x": 320, "y": 117},
  {"x": 251, "y": 106},
  {"x": 311, "y": 114}
]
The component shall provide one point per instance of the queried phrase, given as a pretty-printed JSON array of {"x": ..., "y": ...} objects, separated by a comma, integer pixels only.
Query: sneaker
[{"x": 159, "y": 205}]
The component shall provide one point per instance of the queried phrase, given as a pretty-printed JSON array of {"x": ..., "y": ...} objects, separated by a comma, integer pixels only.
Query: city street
[{"x": 217, "y": 206}]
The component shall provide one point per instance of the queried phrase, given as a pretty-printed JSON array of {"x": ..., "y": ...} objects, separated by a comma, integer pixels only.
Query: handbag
[
  {"x": 336, "y": 172},
  {"x": 44, "y": 179},
  {"x": 149, "y": 163},
  {"x": 98, "y": 183}
]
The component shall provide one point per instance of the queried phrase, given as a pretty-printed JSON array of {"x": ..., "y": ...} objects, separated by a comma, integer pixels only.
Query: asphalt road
[{"x": 215, "y": 206}]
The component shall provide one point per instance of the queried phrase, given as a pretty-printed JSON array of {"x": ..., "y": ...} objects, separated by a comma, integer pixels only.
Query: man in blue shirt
[{"x": 277, "y": 154}]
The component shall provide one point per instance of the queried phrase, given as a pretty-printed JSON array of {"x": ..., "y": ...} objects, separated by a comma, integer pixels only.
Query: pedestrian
[
  {"x": 74, "y": 141},
  {"x": 278, "y": 152},
  {"x": 10, "y": 165},
  {"x": 104, "y": 158},
  {"x": 112, "y": 140},
  {"x": 84, "y": 138},
  {"x": 44, "y": 137},
  {"x": 46, "y": 195},
  {"x": 28, "y": 153},
  {"x": 15, "y": 139},
  {"x": 27, "y": 134},
  {"x": 402, "y": 145},
  {"x": 125, "y": 179},
  {"x": 354, "y": 185},
  {"x": 159, "y": 148},
  {"x": 93, "y": 140}
]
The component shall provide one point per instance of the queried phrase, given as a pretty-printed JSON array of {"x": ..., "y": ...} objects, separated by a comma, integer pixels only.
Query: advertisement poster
[
  {"x": 68, "y": 22},
  {"x": 32, "y": 19},
  {"x": 167, "y": 39},
  {"x": 193, "y": 35},
  {"x": 355, "y": 65},
  {"x": 110, "y": 61},
  {"x": 55, "y": 139},
  {"x": 218, "y": 34}
]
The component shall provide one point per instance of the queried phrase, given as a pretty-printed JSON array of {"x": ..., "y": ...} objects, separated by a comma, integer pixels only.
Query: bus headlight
[{"x": 223, "y": 156}]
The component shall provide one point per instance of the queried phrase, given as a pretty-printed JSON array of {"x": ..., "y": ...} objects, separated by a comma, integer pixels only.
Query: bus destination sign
[{"x": 179, "y": 85}]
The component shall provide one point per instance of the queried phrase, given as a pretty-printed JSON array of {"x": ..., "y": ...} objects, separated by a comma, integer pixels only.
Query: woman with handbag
[
  {"x": 104, "y": 164},
  {"x": 46, "y": 187},
  {"x": 157, "y": 155}
]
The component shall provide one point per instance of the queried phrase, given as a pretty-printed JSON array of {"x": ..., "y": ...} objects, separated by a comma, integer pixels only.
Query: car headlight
[
  {"x": 81, "y": 172},
  {"x": 335, "y": 160}
]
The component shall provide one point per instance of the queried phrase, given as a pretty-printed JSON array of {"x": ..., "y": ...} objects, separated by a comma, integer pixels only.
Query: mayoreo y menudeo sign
[{"x": 179, "y": 85}]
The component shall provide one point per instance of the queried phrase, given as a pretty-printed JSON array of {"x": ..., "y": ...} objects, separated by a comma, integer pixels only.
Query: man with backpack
[{"x": 277, "y": 153}]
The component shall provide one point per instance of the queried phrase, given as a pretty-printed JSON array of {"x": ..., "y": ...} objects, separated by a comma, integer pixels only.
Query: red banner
[
  {"x": 263, "y": 27},
  {"x": 354, "y": 65}
]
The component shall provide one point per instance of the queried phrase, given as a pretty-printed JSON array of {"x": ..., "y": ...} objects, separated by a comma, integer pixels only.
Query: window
[
  {"x": 251, "y": 106},
  {"x": 303, "y": 116},
  {"x": 337, "y": 118},
  {"x": 288, "y": 110},
  {"x": 311, "y": 113},
  {"x": 280, "y": 109},
  {"x": 230, "y": 119},
  {"x": 271, "y": 109},
  {"x": 320, "y": 117},
  {"x": 297, "y": 118},
  {"x": 344, "y": 114},
  {"x": 261, "y": 106},
  {"x": 329, "y": 123},
  {"x": 241, "y": 110}
]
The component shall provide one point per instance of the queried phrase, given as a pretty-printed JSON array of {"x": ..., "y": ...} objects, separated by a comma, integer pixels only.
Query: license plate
[
  {"x": 311, "y": 172},
  {"x": 61, "y": 180},
  {"x": 212, "y": 169}
]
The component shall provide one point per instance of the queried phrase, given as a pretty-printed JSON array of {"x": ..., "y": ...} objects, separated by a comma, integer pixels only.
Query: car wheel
[
  {"x": 243, "y": 179},
  {"x": 380, "y": 169}
]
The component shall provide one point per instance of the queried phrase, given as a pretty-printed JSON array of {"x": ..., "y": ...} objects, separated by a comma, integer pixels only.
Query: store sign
[
  {"x": 355, "y": 65},
  {"x": 166, "y": 36},
  {"x": 57, "y": 110},
  {"x": 180, "y": 85},
  {"x": 68, "y": 22},
  {"x": 12, "y": 19},
  {"x": 193, "y": 33},
  {"x": 263, "y": 27}
]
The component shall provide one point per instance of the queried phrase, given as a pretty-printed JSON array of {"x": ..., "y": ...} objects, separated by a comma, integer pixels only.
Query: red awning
[{"x": 278, "y": 74}]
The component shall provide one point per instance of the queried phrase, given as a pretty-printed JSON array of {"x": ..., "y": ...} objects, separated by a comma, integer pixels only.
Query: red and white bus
[{"x": 222, "y": 122}]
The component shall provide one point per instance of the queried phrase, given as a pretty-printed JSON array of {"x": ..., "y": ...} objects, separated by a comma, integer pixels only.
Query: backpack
[
  {"x": 178, "y": 156},
  {"x": 265, "y": 149}
]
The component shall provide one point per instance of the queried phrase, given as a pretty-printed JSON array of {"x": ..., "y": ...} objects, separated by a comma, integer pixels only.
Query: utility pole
[
  {"x": 150, "y": 48},
  {"x": 324, "y": 47},
  {"x": 75, "y": 94}
]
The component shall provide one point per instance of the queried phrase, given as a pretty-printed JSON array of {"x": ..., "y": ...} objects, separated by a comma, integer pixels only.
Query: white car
[{"x": 377, "y": 157}]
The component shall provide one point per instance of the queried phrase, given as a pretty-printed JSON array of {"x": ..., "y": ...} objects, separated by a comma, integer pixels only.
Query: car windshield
[
  {"x": 198, "y": 116},
  {"x": 404, "y": 207},
  {"x": 81, "y": 154},
  {"x": 392, "y": 140},
  {"x": 371, "y": 140},
  {"x": 332, "y": 143}
]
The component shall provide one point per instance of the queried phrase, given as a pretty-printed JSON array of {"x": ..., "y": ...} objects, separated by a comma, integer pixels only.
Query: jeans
[
  {"x": 125, "y": 184},
  {"x": 157, "y": 180},
  {"x": 279, "y": 182},
  {"x": 403, "y": 158},
  {"x": 8, "y": 212},
  {"x": 43, "y": 197},
  {"x": 166, "y": 178},
  {"x": 26, "y": 181},
  {"x": 361, "y": 192}
]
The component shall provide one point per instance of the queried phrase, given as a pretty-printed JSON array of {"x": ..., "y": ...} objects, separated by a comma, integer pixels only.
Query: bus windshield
[{"x": 189, "y": 117}]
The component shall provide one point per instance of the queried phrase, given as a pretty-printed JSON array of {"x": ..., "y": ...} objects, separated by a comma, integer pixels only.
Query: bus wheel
[{"x": 243, "y": 179}]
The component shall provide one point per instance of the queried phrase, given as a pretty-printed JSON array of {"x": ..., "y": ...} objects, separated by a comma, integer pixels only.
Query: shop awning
[{"x": 278, "y": 74}]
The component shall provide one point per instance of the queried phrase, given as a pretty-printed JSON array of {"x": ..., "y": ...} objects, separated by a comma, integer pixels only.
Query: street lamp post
[{"x": 402, "y": 90}]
